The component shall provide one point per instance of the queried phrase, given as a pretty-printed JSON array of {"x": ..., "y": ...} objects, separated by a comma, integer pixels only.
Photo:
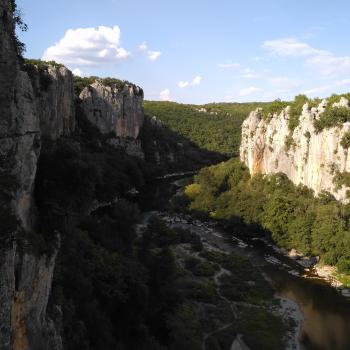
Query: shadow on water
[{"x": 326, "y": 312}]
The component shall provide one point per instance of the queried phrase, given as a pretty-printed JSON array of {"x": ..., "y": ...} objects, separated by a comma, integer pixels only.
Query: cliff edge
[{"x": 314, "y": 156}]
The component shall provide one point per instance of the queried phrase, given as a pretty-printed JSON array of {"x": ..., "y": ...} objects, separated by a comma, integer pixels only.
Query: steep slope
[
  {"x": 309, "y": 155},
  {"x": 25, "y": 278}
]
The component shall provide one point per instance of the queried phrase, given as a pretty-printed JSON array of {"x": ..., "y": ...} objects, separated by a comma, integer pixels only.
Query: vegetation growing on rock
[{"x": 81, "y": 82}]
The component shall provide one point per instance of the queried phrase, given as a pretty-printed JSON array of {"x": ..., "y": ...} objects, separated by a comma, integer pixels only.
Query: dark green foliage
[
  {"x": 201, "y": 268},
  {"x": 114, "y": 293},
  {"x": 296, "y": 107},
  {"x": 42, "y": 64},
  {"x": 341, "y": 178},
  {"x": 272, "y": 108},
  {"x": 186, "y": 330},
  {"x": 289, "y": 142},
  {"x": 19, "y": 23},
  {"x": 219, "y": 132},
  {"x": 262, "y": 330},
  {"x": 333, "y": 116},
  {"x": 160, "y": 142},
  {"x": 345, "y": 140},
  {"x": 81, "y": 82},
  {"x": 34, "y": 67},
  {"x": 292, "y": 215}
]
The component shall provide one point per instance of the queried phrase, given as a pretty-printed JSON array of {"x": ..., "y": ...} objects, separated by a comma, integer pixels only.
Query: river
[{"x": 326, "y": 312}]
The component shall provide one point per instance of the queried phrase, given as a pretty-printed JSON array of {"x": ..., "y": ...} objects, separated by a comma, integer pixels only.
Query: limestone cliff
[
  {"x": 306, "y": 156},
  {"x": 112, "y": 110},
  {"x": 25, "y": 277},
  {"x": 54, "y": 99}
]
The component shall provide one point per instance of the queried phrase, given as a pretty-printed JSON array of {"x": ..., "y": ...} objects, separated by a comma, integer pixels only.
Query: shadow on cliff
[{"x": 173, "y": 152}]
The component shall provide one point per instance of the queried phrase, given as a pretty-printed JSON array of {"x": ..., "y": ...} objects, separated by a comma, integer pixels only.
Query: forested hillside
[
  {"x": 216, "y": 126},
  {"x": 291, "y": 214}
]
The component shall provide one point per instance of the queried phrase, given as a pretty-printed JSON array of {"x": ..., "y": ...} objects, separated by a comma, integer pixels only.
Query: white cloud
[
  {"x": 318, "y": 90},
  {"x": 153, "y": 55},
  {"x": 323, "y": 61},
  {"x": 329, "y": 88},
  {"x": 249, "y": 91},
  {"x": 77, "y": 72},
  {"x": 165, "y": 95},
  {"x": 196, "y": 81},
  {"x": 122, "y": 54},
  {"x": 228, "y": 65},
  {"x": 183, "y": 84},
  {"x": 343, "y": 82},
  {"x": 249, "y": 74},
  {"x": 256, "y": 59},
  {"x": 88, "y": 46},
  {"x": 143, "y": 47},
  {"x": 288, "y": 47}
]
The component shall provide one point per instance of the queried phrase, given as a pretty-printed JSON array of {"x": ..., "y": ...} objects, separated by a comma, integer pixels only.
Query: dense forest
[
  {"x": 215, "y": 127},
  {"x": 290, "y": 214}
]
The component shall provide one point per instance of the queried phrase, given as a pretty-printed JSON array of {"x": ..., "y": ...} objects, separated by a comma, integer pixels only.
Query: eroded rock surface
[
  {"x": 25, "y": 278},
  {"x": 110, "y": 110},
  {"x": 311, "y": 159}
]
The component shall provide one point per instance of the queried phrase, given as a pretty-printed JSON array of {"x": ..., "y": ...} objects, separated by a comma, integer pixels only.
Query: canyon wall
[
  {"x": 307, "y": 156},
  {"x": 25, "y": 278},
  {"x": 37, "y": 103},
  {"x": 113, "y": 110}
]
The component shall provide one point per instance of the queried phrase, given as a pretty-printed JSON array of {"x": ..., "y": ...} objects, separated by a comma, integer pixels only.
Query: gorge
[{"x": 132, "y": 224}]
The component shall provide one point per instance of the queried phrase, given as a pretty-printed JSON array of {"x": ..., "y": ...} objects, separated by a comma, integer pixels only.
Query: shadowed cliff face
[
  {"x": 312, "y": 158},
  {"x": 114, "y": 111},
  {"x": 25, "y": 278}
]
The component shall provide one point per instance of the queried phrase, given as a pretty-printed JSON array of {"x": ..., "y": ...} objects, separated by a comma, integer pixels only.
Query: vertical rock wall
[
  {"x": 312, "y": 158},
  {"x": 114, "y": 111},
  {"x": 25, "y": 277}
]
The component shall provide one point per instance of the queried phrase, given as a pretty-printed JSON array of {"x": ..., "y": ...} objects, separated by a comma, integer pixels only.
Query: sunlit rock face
[
  {"x": 312, "y": 159},
  {"x": 112, "y": 110}
]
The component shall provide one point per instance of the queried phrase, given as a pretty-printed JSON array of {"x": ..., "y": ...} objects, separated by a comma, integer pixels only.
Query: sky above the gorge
[{"x": 199, "y": 51}]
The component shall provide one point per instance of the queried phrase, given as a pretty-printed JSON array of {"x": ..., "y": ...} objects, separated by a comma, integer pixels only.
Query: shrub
[{"x": 345, "y": 140}]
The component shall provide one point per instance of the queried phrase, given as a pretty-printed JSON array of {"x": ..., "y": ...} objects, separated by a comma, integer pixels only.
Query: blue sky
[{"x": 199, "y": 51}]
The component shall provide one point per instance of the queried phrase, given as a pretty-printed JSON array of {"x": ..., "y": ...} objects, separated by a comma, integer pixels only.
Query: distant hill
[{"x": 215, "y": 126}]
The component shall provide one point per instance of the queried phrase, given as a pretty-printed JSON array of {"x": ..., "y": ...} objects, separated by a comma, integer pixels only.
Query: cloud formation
[
  {"x": 153, "y": 55},
  {"x": 196, "y": 81},
  {"x": 165, "y": 95},
  {"x": 77, "y": 72},
  {"x": 88, "y": 47},
  {"x": 323, "y": 61}
]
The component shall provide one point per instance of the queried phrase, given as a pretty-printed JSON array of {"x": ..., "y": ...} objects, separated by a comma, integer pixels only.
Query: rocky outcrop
[
  {"x": 305, "y": 156},
  {"x": 54, "y": 99},
  {"x": 113, "y": 110},
  {"x": 31, "y": 328}
]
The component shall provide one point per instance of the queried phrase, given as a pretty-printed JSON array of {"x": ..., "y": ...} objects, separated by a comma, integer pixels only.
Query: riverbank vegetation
[{"x": 274, "y": 205}]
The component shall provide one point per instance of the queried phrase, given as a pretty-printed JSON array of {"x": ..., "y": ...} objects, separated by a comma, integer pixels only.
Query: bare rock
[
  {"x": 312, "y": 158},
  {"x": 110, "y": 110}
]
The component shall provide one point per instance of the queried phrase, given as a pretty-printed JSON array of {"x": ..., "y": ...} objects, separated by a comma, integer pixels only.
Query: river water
[{"x": 326, "y": 311}]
